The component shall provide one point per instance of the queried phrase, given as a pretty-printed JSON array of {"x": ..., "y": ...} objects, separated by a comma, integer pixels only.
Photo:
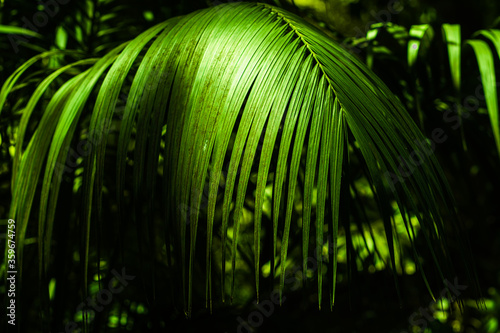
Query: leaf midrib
[{"x": 308, "y": 46}]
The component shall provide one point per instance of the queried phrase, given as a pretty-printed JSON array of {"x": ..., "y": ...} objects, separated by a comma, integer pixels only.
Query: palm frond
[
  {"x": 212, "y": 85},
  {"x": 486, "y": 64}
]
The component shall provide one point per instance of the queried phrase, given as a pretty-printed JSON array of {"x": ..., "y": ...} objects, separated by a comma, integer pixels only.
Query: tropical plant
[
  {"x": 412, "y": 51},
  {"x": 228, "y": 131}
]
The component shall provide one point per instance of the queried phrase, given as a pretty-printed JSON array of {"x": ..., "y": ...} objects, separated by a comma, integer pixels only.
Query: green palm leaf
[
  {"x": 486, "y": 66},
  {"x": 218, "y": 82},
  {"x": 453, "y": 39}
]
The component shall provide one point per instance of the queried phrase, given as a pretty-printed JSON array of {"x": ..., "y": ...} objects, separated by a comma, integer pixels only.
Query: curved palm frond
[
  {"x": 253, "y": 84},
  {"x": 486, "y": 64}
]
